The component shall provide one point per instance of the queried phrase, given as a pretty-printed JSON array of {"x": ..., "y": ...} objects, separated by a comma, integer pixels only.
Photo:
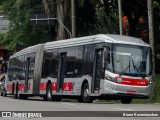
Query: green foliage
[
  {"x": 21, "y": 34},
  {"x": 107, "y": 19},
  {"x": 92, "y": 17},
  {"x": 97, "y": 17},
  {"x": 156, "y": 4}
]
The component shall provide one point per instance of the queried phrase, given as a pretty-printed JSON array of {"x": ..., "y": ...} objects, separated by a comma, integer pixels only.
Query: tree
[
  {"x": 96, "y": 16},
  {"x": 92, "y": 17},
  {"x": 60, "y": 15},
  {"x": 156, "y": 25},
  {"x": 21, "y": 34}
]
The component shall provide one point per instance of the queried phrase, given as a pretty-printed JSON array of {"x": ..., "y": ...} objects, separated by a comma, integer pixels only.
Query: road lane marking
[{"x": 122, "y": 109}]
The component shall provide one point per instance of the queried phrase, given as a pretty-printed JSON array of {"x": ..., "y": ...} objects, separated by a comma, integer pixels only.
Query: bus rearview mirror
[{"x": 106, "y": 54}]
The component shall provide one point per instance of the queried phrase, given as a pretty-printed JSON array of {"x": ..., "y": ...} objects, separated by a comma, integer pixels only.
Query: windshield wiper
[
  {"x": 129, "y": 65},
  {"x": 138, "y": 69},
  {"x": 134, "y": 67},
  {"x": 121, "y": 73}
]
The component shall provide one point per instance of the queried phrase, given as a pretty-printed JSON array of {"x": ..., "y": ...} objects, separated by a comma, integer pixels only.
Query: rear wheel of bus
[
  {"x": 49, "y": 96},
  {"x": 15, "y": 93},
  {"x": 85, "y": 94},
  {"x": 19, "y": 96},
  {"x": 126, "y": 100}
]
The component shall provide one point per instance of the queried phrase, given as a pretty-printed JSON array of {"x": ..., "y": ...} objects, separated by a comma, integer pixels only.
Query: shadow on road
[{"x": 38, "y": 98}]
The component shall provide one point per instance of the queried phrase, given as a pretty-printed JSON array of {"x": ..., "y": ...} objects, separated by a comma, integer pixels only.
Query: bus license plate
[{"x": 131, "y": 92}]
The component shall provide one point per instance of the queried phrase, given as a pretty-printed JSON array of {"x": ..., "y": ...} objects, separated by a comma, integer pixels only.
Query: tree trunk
[
  {"x": 151, "y": 39},
  {"x": 60, "y": 16},
  {"x": 46, "y": 6},
  {"x": 120, "y": 16},
  {"x": 73, "y": 19}
]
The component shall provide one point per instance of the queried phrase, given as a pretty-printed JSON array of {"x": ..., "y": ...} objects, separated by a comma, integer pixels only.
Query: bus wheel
[
  {"x": 126, "y": 100},
  {"x": 13, "y": 89},
  {"x": 85, "y": 94},
  {"x": 19, "y": 96},
  {"x": 16, "y": 94},
  {"x": 49, "y": 93}
]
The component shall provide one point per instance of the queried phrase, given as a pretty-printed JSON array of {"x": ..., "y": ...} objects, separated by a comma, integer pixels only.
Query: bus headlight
[
  {"x": 149, "y": 82},
  {"x": 109, "y": 78}
]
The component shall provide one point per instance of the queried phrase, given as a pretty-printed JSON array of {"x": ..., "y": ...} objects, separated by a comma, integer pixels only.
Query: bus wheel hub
[{"x": 86, "y": 93}]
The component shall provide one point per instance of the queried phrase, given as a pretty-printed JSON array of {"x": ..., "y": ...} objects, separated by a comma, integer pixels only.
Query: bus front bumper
[{"x": 120, "y": 90}]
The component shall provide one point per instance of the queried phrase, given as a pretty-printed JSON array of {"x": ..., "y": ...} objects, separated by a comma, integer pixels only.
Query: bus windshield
[{"x": 130, "y": 60}]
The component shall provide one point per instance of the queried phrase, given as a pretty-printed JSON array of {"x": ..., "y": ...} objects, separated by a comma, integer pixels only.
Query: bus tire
[
  {"x": 49, "y": 93},
  {"x": 16, "y": 94},
  {"x": 13, "y": 89},
  {"x": 126, "y": 100},
  {"x": 85, "y": 94}
]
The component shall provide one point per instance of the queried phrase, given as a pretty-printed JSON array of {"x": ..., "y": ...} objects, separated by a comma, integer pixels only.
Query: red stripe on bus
[
  {"x": 54, "y": 86},
  {"x": 134, "y": 82},
  {"x": 9, "y": 87},
  {"x": 29, "y": 86},
  {"x": 42, "y": 86},
  {"x": 68, "y": 86},
  {"x": 20, "y": 87}
]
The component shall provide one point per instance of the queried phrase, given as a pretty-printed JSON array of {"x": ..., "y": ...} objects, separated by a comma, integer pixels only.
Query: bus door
[
  {"x": 61, "y": 72},
  {"x": 97, "y": 70},
  {"x": 26, "y": 75}
]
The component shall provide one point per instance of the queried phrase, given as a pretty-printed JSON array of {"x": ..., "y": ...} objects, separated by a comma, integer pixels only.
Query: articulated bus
[{"x": 86, "y": 68}]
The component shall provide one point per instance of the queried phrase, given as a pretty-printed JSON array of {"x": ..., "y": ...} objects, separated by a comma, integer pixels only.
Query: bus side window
[
  {"x": 79, "y": 67},
  {"x": 54, "y": 68},
  {"x": 70, "y": 61},
  {"x": 46, "y": 68},
  {"x": 70, "y": 67},
  {"x": 79, "y": 64},
  {"x": 88, "y": 56}
]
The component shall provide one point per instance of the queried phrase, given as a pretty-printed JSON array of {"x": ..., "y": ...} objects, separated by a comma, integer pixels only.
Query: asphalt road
[{"x": 92, "y": 111}]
